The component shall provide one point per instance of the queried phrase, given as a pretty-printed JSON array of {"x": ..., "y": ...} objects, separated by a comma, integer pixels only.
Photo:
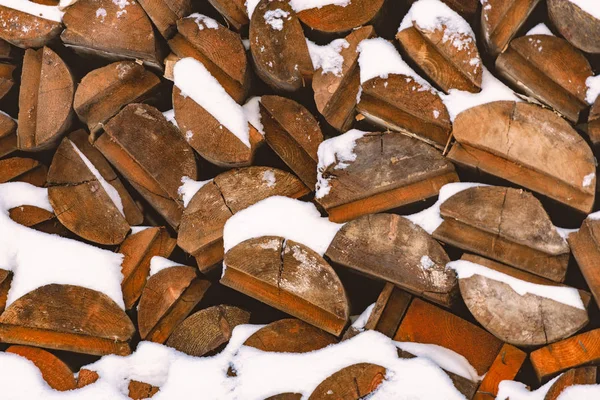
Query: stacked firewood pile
[{"x": 299, "y": 199}]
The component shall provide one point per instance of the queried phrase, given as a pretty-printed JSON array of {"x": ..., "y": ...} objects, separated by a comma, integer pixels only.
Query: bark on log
[
  {"x": 337, "y": 19},
  {"x": 54, "y": 371},
  {"x": 26, "y": 30},
  {"x": 351, "y": 383},
  {"x": 290, "y": 336},
  {"x": 506, "y": 366},
  {"x": 581, "y": 29}
]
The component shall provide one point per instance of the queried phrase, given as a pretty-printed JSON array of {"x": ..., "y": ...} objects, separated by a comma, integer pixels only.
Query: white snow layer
[
  {"x": 540, "y": 29},
  {"x": 195, "y": 81},
  {"x": 66, "y": 3},
  {"x": 360, "y": 322},
  {"x": 593, "y": 88},
  {"x": 301, "y": 5},
  {"x": 188, "y": 189},
  {"x": 275, "y": 18},
  {"x": 51, "y": 13},
  {"x": 591, "y": 7},
  {"x": 579, "y": 392},
  {"x": 252, "y": 111},
  {"x": 203, "y": 21},
  {"x": 170, "y": 116},
  {"x": 511, "y": 390},
  {"x": 250, "y": 6},
  {"x": 139, "y": 228},
  {"x": 281, "y": 216},
  {"x": 158, "y": 263},
  {"x": 328, "y": 57}
]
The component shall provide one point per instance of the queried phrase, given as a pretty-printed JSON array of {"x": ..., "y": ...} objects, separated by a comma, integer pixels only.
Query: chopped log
[
  {"x": 569, "y": 353},
  {"x": 201, "y": 229},
  {"x": 6, "y": 78},
  {"x": 167, "y": 299},
  {"x": 278, "y": 46},
  {"x": 141, "y": 390},
  {"x": 23, "y": 170},
  {"x": 104, "y": 91},
  {"x": 65, "y": 317},
  {"x": 5, "y": 281},
  {"x": 206, "y": 330},
  {"x": 290, "y": 336},
  {"x": 165, "y": 14},
  {"x": 576, "y": 376},
  {"x": 54, "y": 371},
  {"x": 220, "y": 50},
  {"x": 391, "y": 248},
  {"x": 579, "y": 27},
  {"x": 8, "y": 135},
  {"x": 501, "y": 20},
  {"x": 86, "y": 377},
  {"x": 408, "y": 171},
  {"x": 350, "y": 383},
  {"x": 151, "y": 154},
  {"x": 234, "y": 11},
  {"x": 336, "y": 94},
  {"x": 27, "y": 30},
  {"x": 38, "y": 219},
  {"x": 138, "y": 249},
  {"x": 505, "y": 224},
  {"x": 529, "y": 146},
  {"x": 90, "y": 31},
  {"x": 389, "y": 310},
  {"x": 466, "y": 8},
  {"x": 584, "y": 245},
  {"x": 549, "y": 69},
  {"x": 337, "y": 19},
  {"x": 593, "y": 127},
  {"x": 506, "y": 365},
  {"x": 290, "y": 277},
  {"x": 294, "y": 134},
  {"x": 45, "y": 100}
]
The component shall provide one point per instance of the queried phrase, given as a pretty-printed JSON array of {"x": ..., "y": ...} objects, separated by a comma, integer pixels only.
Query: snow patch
[
  {"x": 540, "y": 29},
  {"x": 589, "y": 6},
  {"x": 188, "y": 189},
  {"x": 274, "y": 18},
  {"x": 269, "y": 179},
  {"x": 328, "y": 57},
  {"x": 203, "y": 21},
  {"x": 579, "y": 392},
  {"x": 426, "y": 262},
  {"x": 301, "y": 5},
  {"x": 158, "y": 263},
  {"x": 588, "y": 179},
  {"x": 170, "y": 116},
  {"x": 138, "y": 229},
  {"x": 593, "y": 89},
  {"x": 518, "y": 391},
  {"x": 360, "y": 322},
  {"x": 101, "y": 13},
  {"x": 252, "y": 112}
]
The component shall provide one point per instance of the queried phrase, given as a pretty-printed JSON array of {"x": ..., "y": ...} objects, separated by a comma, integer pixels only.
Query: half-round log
[
  {"x": 351, "y": 383},
  {"x": 576, "y": 376},
  {"x": 234, "y": 11},
  {"x": 165, "y": 13},
  {"x": 23, "y": 170},
  {"x": 581, "y": 29},
  {"x": 54, "y": 371},
  {"x": 337, "y": 19},
  {"x": 27, "y": 30},
  {"x": 290, "y": 336}
]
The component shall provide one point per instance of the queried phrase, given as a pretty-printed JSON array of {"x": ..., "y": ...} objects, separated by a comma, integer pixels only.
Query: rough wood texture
[
  {"x": 8, "y": 135},
  {"x": 167, "y": 299},
  {"x": 584, "y": 245},
  {"x": 54, "y": 371},
  {"x": 389, "y": 310},
  {"x": 577, "y": 376},
  {"x": 86, "y": 377},
  {"x": 576, "y": 25},
  {"x": 23, "y": 170},
  {"x": 26, "y": 30},
  {"x": 336, "y": 19},
  {"x": 234, "y": 11},
  {"x": 500, "y": 21},
  {"x": 288, "y": 276},
  {"x": 391, "y": 248},
  {"x": 290, "y": 336},
  {"x": 201, "y": 229},
  {"x": 165, "y": 13},
  {"x": 466, "y": 8},
  {"x": 593, "y": 127},
  {"x": 294, "y": 134},
  {"x": 408, "y": 171},
  {"x": 506, "y": 365},
  {"x": 141, "y": 390},
  {"x": 549, "y": 69},
  {"x": 350, "y": 383},
  {"x": 281, "y": 57},
  {"x": 529, "y": 146},
  {"x": 505, "y": 224},
  {"x": 103, "y": 92},
  {"x": 65, "y": 317},
  {"x": 45, "y": 100},
  {"x": 6, "y": 78},
  {"x": 151, "y": 154}
]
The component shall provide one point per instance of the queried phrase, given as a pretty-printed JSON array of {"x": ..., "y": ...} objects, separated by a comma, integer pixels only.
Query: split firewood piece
[
  {"x": 32, "y": 25},
  {"x": 351, "y": 383},
  {"x": 151, "y": 154},
  {"x": 86, "y": 194},
  {"x": 392, "y": 248},
  {"x": 54, "y": 371},
  {"x": 576, "y": 376},
  {"x": 290, "y": 336},
  {"x": 5, "y": 281},
  {"x": 141, "y": 390},
  {"x": 578, "y": 22},
  {"x": 466, "y": 8},
  {"x": 501, "y": 20},
  {"x": 584, "y": 245},
  {"x": 443, "y": 45},
  {"x": 97, "y": 26},
  {"x": 104, "y": 91},
  {"x": 206, "y": 330},
  {"x": 165, "y": 14},
  {"x": 288, "y": 276},
  {"x": 66, "y": 317},
  {"x": 569, "y": 353},
  {"x": 6, "y": 78},
  {"x": 549, "y": 69},
  {"x": 167, "y": 299},
  {"x": 336, "y": 92},
  {"x": 294, "y": 134},
  {"x": 278, "y": 46},
  {"x": 201, "y": 229},
  {"x": 529, "y": 146},
  {"x": 18, "y": 169},
  {"x": 505, "y": 224},
  {"x": 234, "y": 11},
  {"x": 408, "y": 171},
  {"x": 335, "y": 18},
  {"x": 8, "y": 135},
  {"x": 138, "y": 249},
  {"x": 593, "y": 127},
  {"x": 45, "y": 100},
  {"x": 38, "y": 219},
  {"x": 220, "y": 50},
  {"x": 506, "y": 365},
  {"x": 389, "y": 310},
  {"x": 86, "y": 377}
]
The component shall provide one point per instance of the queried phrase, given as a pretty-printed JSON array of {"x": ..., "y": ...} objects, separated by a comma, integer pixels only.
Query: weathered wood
[
  {"x": 529, "y": 146},
  {"x": 23, "y": 170},
  {"x": 5, "y": 281},
  {"x": 506, "y": 365},
  {"x": 54, "y": 371},
  {"x": 151, "y": 154},
  {"x": 65, "y": 317},
  {"x": 288, "y": 276},
  {"x": 389, "y": 310},
  {"x": 581, "y": 29},
  {"x": 350, "y": 383},
  {"x": 337, "y": 19},
  {"x": 26, "y": 30},
  {"x": 234, "y": 11},
  {"x": 584, "y": 245},
  {"x": 45, "y": 100},
  {"x": 141, "y": 390},
  {"x": 206, "y": 330},
  {"x": 577, "y": 376},
  {"x": 201, "y": 229},
  {"x": 549, "y": 69},
  {"x": 290, "y": 336},
  {"x": 8, "y": 135},
  {"x": 6, "y": 78},
  {"x": 391, "y": 248},
  {"x": 165, "y": 13}
]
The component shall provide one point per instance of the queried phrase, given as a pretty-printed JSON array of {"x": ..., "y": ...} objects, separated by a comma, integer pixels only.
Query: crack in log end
[
  {"x": 222, "y": 196},
  {"x": 281, "y": 256}
]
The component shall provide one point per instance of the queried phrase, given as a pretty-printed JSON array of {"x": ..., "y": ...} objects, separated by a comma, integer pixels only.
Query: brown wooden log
[
  {"x": 593, "y": 127},
  {"x": 8, "y": 135},
  {"x": 25, "y": 30},
  {"x": 389, "y": 310},
  {"x": 86, "y": 377},
  {"x": 206, "y": 330},
  {"x": 505, "y": 224},
  {"x": 90, "y": 31},
  {"x": 201, "y": 229},
  {"x": 234, "y": 11},
  {"x": 337, "y": 19},
  {"x": 355, "y": 191},
  {"x": 290, "y": 336},
  {"x": 549, "y": 69},
  {"x": 584, "y": 245},
  {"x": 350, "y": 383},
  {"x": 294, "y": 134},
  {"x": 466, "y": 8},
  {"x": 65, "y": 317},
  {"x": 167, "y": 299},
  {"x": 529, "y": 146},
  {"x": 576, "y": 376},
  {"x": 141, "y": 390},
  {"x": 288, "y": 276},
  {"x": 581, "y": 29},
  {"x": 501, "y": 20},
  {"x": 38, "y": 219},
  {"x": 103, "y": 92},
  {"x": 54, "y": 371},
  {"x": 23, "y": 170},
  {"x": 335, "y": 95},
  {"x": 506, "y": 365},
  {"x": 151, "y": 154},
  {"x": 5, "y": 281},
  {"x": 281, "y": 57},
  {"x": 391, "y": 248},
  {"x": 220, "y": 50},
  {"x": 45, "y": 100},
  {"x": 6, "y": 78},
  {"x": 165, "y": 14}
]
